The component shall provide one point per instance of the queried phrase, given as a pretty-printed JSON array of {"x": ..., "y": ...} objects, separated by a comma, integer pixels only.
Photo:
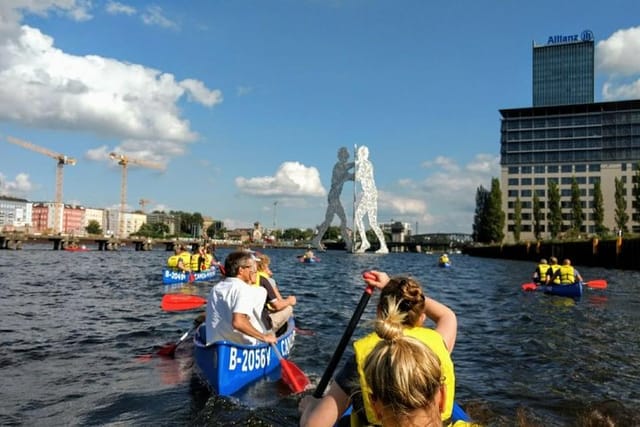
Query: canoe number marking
[
  {"x": 249, "y": 359},
  {"x": 256, "y": 358}
]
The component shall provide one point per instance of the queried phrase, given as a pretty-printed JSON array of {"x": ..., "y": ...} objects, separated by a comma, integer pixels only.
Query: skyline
[{"x": 246, "y": 104}]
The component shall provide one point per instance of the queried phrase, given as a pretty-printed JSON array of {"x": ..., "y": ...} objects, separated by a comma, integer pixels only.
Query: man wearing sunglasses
[{"x": 234, "y": 307}]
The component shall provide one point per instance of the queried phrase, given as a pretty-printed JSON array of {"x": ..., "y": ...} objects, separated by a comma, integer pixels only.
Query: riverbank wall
[{"x": 614, "y": 253}]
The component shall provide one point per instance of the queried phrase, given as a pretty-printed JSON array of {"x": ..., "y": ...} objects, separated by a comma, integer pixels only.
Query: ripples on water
[{"x": 74, "y": 324}]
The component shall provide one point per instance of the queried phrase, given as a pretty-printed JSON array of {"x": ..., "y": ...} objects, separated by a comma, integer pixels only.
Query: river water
[{"x": 79, "y": 333}]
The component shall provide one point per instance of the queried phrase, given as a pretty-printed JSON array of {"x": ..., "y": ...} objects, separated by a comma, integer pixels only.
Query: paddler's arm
[
  {"x": 241, "y": 323},
  {"x": 445, "y": 320}
]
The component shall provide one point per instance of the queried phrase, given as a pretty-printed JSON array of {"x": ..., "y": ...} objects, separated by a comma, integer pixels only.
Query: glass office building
[
  {"x": 563, "y": 72},
  {"x": 591, "y": 142}
]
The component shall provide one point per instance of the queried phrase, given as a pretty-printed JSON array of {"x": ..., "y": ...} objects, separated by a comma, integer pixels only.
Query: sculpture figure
[
  {"x": 341, "y": 174},
  {"x": 367, "y": 202}
]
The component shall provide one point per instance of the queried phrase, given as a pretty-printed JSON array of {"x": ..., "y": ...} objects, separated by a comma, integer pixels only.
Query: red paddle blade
[
  {"x": 293, "y": 376},
  {"x": 180, "y": 302},
  {"x": 192, "y": 277},
  {"x": 597, "y": 284},
  {"x": 168, "y": 350},
  {"x": 529, "y": 287}
]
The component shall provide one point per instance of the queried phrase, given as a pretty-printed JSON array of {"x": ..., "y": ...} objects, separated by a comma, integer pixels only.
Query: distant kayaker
[
  {"x": 308, "y": 254},
  {"x": 567, "y": 274},
  {"x": 539, "y": 275},
  {"x": 444, "y": 259},
  {"x": 234, "y": 306},
  {"x": 551, "y": 271},
  {"x": 181, "y": 259}
]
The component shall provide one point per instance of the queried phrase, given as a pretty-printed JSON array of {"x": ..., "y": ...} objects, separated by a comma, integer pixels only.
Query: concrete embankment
[{"x": 613, "y": 253}]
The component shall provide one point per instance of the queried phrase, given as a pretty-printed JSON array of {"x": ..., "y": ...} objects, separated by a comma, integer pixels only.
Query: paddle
[
  {"x": 594, "y": 284},
  {"x": 337, "y": 354},
  {"x": 169, "y": 350},
  {"x": 292, "y": 375},
  {"x": 181, "y": 302}
]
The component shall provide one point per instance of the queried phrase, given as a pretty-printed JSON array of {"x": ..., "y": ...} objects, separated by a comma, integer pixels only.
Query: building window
[
  {"x": 539, "y": 181},
  {"x": 525, "y": 169},
  {"x": 594, "y": 167},
  {"x": 581, "y": 168},
  {"x": 525, "y": 181},
  {"x": 567, "y": 168},
  {"x": 513, "y": 181},
  {"x": 538, "y": 169},
  {"x": 513, "y": 170},
  {"x": 552, "y": 169}
]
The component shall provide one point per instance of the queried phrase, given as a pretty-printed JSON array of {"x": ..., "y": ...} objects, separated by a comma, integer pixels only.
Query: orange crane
[
  {"x": 143, "y": 203},
  {"x": 124, "y": 161},
  {"x": 62, "y": 160}
]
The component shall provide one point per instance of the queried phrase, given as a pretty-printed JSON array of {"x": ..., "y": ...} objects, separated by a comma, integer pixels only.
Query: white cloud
[
  {"x": 20, "y": 186},
  {"x": 444, "y": 201},
  {"x": 154, "y": 15},
  {"x": 117, "y": 8},
  {"x": 44, "y": 87},
  {"x": 199, "y": 92},
  {"x": 618, "y": 57},
  {"x": 292, "y": 179}
]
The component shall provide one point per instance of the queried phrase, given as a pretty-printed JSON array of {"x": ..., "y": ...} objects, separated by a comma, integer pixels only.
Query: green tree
[
  {"x": 495, "y": 214},
  {"x": 537, "y": 216},
  {"x": 216, "y": 230},
  {"x": 190, "y": 223},
  {"x": 622, "y": 218},
  {"x": 93, "y": 227},
  {"x": 293, "y": 234},
  {"x": 480, "y": 221},
  {"x": 332, "y": 233},
  {"x": 576, "y": 207},
  {"x": 598, "y": 209},
  {"x": 555, "y": 212},
  {"x": 517, "y": 219}
]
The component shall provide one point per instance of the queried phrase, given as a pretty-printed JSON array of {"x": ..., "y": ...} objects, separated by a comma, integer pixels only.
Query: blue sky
[{"x": 246, "y": 103}]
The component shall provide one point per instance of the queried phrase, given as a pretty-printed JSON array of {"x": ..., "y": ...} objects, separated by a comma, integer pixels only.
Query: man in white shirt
[{"x": 234, "y": 307}]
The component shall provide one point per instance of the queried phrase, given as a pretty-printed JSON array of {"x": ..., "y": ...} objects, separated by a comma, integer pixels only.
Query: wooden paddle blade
[
  {"x": 293, "y": 376},
  {"x": 181, "y": 302},
  {"x": 529, "y": 287},
  {"x": 597, "y": 284}
]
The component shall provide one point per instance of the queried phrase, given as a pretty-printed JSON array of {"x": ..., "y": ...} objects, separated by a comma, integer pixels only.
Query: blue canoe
[
  {"x": 573, "y": 291},
  {"x": 170, "y": 276},
  {"x": 228, "y": 367}
]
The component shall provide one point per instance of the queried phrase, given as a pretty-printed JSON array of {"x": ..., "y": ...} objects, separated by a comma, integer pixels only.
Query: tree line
[{"x": 489, "y": 219}]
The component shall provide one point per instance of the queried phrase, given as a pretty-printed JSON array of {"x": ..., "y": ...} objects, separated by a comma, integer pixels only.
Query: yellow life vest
[
  {"x": 186, "y": 259},
  {"x": 434, "y": 341},
  {"x": 260, "y": 275},
  {"x": 194, "y": 262},
  {"x": 207, "y": 261},
  {"x": 172, "y": 262},
  {"x": 554, "y": 268},
  {"x": 542, "y": 272},
  {"x": 567, "y": 275}
]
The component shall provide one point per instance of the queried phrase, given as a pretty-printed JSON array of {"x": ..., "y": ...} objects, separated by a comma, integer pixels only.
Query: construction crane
[
  {"x": 62, "y": 160},
  {"x": 143, "y": 203},
  {"x": 124, "y": 161}
]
